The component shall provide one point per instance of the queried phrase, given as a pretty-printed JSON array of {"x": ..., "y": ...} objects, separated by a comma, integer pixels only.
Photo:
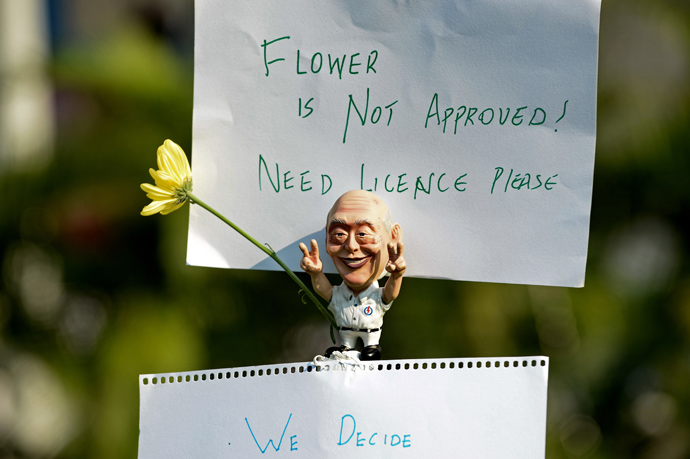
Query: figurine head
[{"x": 358, "y": 230}]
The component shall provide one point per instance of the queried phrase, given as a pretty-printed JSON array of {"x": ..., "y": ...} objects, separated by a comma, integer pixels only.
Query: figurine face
[{"x": 357, "y": 240}]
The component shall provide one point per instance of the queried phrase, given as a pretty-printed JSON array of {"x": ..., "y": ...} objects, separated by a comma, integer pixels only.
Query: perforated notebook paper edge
[{"x": 288, "y": 369}]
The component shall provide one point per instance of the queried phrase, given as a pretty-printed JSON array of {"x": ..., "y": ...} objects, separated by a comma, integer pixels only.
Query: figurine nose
[{"x": 351, "y": 245}]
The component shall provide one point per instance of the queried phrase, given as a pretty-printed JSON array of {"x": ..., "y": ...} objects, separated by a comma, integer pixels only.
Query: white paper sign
[
  {"x": 474, "y": 121},
  {"x": 475, "y": 408}
]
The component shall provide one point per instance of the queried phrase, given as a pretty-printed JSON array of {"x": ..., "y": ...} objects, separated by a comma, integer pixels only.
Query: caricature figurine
[{"x": 363, "y": 242}]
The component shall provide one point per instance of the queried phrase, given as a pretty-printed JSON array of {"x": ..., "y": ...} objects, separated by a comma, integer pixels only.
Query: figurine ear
[{"x": 396, "y": 233}]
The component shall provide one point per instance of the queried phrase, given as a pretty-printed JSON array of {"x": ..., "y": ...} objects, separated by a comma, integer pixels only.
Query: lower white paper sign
[{"x": 440, "y": 408}]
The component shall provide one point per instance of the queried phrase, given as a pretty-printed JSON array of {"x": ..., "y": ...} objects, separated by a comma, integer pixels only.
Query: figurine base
[
  {"x": 352, "y": 353},
  {"x": 349, "y": 357}
]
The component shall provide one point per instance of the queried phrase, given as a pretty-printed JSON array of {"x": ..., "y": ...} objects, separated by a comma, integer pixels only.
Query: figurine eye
[
  {"x": 364, "y": 237},
  {"x": 338, "y": 236}
]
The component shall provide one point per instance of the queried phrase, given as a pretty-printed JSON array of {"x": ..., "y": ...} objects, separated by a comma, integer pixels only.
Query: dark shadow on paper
[{"x": 291, "y": 252}]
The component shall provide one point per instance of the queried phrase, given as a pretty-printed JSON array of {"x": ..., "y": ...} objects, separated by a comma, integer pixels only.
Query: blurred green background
[{"x": 92, "y": 294}]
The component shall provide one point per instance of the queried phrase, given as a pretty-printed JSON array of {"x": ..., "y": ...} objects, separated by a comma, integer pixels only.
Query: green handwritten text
[
  {"x": 518, "y": 181},
  {"x": 450, "y": 118},
  {"x": 352, "y": 64}
]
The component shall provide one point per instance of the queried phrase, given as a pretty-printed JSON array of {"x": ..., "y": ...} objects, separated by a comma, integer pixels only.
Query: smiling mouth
[{"x": 355, "y": 263}]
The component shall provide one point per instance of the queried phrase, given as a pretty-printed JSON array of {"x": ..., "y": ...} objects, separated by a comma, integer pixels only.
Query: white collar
[{"x": 364, "y": 293}]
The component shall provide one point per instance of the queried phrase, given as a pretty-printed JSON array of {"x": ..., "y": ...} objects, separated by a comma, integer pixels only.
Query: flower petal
[
  {"x": 157, "y": 206},
  {"x": 164, "y": 181},
  {"x": 172, "y": 208},
  {"x": 156, "y": 193},
  {"x": 179, "y": 157},
  {"x": 172, "y": 160},
  {"x": 167, "y": 164}
]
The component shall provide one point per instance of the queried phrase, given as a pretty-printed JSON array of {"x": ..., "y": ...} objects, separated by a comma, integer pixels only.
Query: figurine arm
[
  {"x": 311, "y": 264},
  {"x": 396, "y": 266}
]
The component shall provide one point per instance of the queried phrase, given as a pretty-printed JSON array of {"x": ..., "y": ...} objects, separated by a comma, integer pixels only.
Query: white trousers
[{"x": 349, "y": 338}]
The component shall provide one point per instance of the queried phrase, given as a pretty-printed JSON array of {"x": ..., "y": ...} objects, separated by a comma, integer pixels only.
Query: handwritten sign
[
  {"x": 474, "y": 121},
  {"x": 389, "y": 409}
]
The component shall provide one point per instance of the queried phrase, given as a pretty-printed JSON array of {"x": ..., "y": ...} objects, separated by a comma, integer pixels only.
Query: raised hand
[
  {"x": 396, "y": 263},
  {"x": 311, "y": 263}
]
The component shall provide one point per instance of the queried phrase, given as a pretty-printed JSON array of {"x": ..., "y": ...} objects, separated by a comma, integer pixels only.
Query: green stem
[{"x": 271, "y": 254}]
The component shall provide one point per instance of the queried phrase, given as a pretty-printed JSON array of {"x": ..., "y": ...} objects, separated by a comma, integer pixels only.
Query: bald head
[{"x": 364, "y": 203}]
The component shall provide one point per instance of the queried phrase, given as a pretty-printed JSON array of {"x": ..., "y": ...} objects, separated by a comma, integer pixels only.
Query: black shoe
[
  {"x": 371, "y": 353},
  {"x": 332, "y": 349}
]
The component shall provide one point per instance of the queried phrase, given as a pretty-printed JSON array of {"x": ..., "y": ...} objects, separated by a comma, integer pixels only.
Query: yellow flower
[
  {"x": 173, "y": 181},
  {"x": 174, "y": 187}
]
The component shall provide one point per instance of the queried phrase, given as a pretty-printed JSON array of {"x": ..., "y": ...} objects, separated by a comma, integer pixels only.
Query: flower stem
[{"x": 271, "y": 254}]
